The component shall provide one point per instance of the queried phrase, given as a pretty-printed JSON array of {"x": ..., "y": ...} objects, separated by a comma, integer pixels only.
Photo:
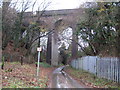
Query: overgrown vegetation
[
  {"x": 64, "y": 55},
  {"x": 22, "y": 33},
  {"x": 100, "y": 29}
]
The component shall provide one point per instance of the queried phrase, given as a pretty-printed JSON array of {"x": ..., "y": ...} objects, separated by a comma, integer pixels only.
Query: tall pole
[
  {"x": 38, "y": 49},
  {"x": 38, "y": 64}
]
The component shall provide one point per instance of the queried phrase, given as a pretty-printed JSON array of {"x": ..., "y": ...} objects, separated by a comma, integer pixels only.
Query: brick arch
[
  {"x": 69, "y": 16},
  {"x": 58, "y": 20}
]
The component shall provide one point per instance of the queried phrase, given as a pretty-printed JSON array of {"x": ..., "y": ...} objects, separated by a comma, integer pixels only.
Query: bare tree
[
  {"x": 8, "y": 18},
  {"x": 36, "y": 35}
]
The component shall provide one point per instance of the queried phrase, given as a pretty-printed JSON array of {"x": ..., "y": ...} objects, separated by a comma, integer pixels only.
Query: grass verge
[
  {"x": 90, "y": 79},
  {"x": 16, "y": 75},
  {"x": 44, "y": 64}
]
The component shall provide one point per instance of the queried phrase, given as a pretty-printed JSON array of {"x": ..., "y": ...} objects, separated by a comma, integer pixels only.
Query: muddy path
[{"x": 61, "y": 79}]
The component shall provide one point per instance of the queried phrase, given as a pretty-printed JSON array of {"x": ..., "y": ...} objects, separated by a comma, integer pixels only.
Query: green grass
[
  {"x": 24, "y": 79},
  {"x": 15, "y": 62},
  {"x": 61, "y": 65},
  {"x": 91, "y": 78},
  {"x": 17, "y": 83},
  {"x": 44, "y": 64}
]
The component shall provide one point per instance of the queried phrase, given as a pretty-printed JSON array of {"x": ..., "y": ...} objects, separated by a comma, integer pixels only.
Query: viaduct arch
[{"x": 57, "y": 20}]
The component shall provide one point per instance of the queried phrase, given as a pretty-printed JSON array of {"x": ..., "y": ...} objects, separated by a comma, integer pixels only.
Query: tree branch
[{"x": 50, "y": 32}]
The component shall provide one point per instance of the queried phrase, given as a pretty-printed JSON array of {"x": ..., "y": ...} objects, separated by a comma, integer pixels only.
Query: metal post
[
  {"x": 118, "y": 71},
  {"x": 38, "y": 64}
]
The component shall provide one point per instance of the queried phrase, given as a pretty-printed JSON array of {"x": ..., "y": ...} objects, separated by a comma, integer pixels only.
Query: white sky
[
  {"x": 55, "y": 4},
  {"x": 65, "y": 4}
]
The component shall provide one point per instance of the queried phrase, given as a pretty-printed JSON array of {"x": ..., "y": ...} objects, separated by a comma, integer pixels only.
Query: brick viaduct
[{"x": 57, "y": 20}]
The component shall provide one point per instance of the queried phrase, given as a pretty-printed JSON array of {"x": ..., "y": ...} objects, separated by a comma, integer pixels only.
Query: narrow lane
[{"x": 60, "y": 79}]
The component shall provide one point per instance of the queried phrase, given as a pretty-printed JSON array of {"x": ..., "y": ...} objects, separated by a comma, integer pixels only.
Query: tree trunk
[{"x": 5, "y": 34}]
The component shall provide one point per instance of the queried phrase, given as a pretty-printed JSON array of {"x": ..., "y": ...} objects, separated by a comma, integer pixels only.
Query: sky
[
  {"x": 65, "y": 4},
  {"x": 55, "y": 4}
]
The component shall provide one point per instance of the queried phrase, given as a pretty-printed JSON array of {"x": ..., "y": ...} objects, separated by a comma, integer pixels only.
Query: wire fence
[{"x": 107, "y": 68}]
